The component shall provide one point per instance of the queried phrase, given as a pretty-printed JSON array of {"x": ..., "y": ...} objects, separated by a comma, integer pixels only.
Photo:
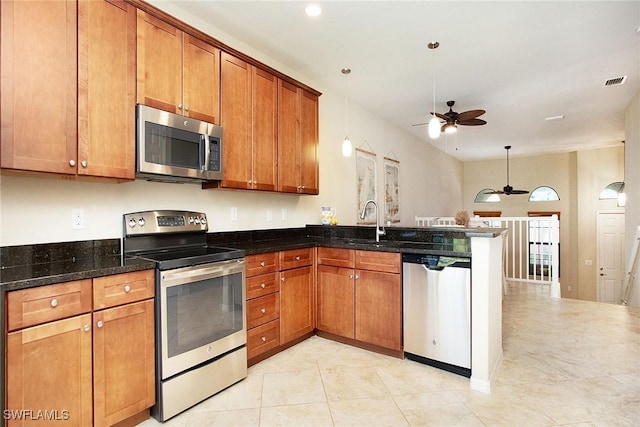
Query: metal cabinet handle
[
  {"x": 262, "y": 285},
  {"x": 54, "y": 303},
  {"x": 186, "y": 108},
  {"x": 264, "y": 339},
  {"x": 86, "y": 328},
  {"x": 72, "y": 163},
  {"x": 351, "y": 276},
  {"x": 180, "y": 106},
  {"x": 262, "y": 264},
  {"x": 357, "y": 277},
  {"x": 297, "y": 257},
  {"x": 263, "y": 310},
  {"x": 83, "y": 163},
  {"x": 282, "y": 279},
  {"x": 127, "y": 288},
  {"x": 100, "y": 324}
]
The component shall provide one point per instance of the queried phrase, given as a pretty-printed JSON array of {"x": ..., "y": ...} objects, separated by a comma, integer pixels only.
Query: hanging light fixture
[
  {"x": 434, "y": 123},
  {"x": 347, "y": 147}
]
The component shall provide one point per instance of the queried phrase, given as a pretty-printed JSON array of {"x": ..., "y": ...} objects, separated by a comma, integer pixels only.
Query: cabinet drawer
[
  {"x": 262, "y": 310},
  {"x": 109, "y": 291},
  {"x": 296, "y": 258},
  {"x": 29, "y": 307},
  {"x": 389, "y": 262},
  {"x": 263, "y": 338},
  {"x": 336, "y": 257},
  {"x": 265, "y": 284},
  {"x": 262, "y": 263}
]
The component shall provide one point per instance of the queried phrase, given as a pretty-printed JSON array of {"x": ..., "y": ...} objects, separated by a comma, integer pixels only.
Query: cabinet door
[
  {"x": 159, "y": 64},
  {"x": 336, "y": 300},
  {"x": 288, "y": 137},
  {"x": 106, "y": 88},
  {"x": 124, "y": 370},
  {"x": 201, "y": 80},
  {"x": 309, "y": 180},
  {"x": 235, "y": 96},
  {"x": 296, "y": 303},
  {"x": 49, "y": 368},
  {"x": 38, "y": 110},
  {"x": 265, "y": 126},
  {"x": 379, "y": 309}
]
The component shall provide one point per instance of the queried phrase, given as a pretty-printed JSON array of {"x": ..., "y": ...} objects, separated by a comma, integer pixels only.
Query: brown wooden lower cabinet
[
  {"x": 360, "y": 296},
  {"x": 91, "y": 368}
]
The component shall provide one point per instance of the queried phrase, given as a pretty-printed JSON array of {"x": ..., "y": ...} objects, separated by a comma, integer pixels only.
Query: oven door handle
[{"x": 202, "y": 272}]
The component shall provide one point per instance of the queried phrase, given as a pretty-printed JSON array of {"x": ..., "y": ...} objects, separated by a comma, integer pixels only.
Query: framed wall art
[
  {"x": 366, "y": 176},
  {"x": 391, "y": 189}
]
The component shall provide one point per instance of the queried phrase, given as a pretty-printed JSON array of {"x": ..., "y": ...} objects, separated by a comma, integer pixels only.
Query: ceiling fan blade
[
  {"x": 472, "y": 122},
  {"x": 419, "y": 124},
  {"x": 518, "y": 192},
  {"x": 471, "y": 114},
  {"x": 442, "y": 116}
]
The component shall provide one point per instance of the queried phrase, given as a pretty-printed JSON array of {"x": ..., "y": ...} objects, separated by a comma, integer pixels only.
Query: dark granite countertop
[
  {"x": 42, "y": 264},
  {"x": 29, "y": 266}
]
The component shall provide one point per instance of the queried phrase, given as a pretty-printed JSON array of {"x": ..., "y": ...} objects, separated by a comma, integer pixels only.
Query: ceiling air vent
[{"x": 615, "y": 82}]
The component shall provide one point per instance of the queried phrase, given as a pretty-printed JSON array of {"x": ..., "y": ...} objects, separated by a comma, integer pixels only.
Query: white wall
[
  {"x": 632, "y": 183},
  {"x": 38, "y": 210}
]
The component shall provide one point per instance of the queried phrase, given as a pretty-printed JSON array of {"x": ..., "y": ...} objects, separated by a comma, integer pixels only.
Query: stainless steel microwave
[{"x": 176, "y": 148}]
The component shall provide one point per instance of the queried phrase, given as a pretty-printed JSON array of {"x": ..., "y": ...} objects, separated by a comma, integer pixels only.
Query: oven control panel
[{"x": 158, "y": 222}]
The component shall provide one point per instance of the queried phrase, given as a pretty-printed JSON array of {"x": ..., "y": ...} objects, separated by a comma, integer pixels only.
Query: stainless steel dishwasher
[{"x": 437, "y": 311}]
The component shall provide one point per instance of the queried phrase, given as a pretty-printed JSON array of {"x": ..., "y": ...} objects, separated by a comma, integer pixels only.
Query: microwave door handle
[{"x": 204, "y": 152}]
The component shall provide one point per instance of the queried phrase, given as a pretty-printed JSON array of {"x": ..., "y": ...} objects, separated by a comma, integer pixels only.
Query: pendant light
[
  {"x": 434, "y": 123},
  {"x": 347, "y": 147}
]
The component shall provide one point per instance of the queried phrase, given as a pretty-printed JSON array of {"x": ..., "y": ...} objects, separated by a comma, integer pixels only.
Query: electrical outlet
[
  {"x": 569, "y": 288},
  {"x": 588, "y": 262},
  {"x": 77, "y": 219},
  {"x": 284, "y": 214},
  {"x": 234, "y": 214},
  {"x": 269, "y": 215}
]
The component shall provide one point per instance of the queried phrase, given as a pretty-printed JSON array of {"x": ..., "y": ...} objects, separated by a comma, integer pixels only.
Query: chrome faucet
[{"x": 379, "y": 232}]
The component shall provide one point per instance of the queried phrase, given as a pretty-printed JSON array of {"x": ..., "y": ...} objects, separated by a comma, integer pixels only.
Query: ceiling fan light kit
[{"x": 434, "y": 123}]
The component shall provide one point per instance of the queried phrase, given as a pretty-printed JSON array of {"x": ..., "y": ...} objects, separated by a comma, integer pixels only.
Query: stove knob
[
  {"x": 203, "y": 220},
  {"x": 132, "y": 222},
  {"x": 197, "y": 220},
  {"x": 191, "y": 220},
  {"x": 141, "y": 222}
]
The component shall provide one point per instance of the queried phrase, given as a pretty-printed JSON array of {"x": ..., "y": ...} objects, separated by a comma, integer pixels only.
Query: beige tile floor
[{"x": 566, "y": 362}]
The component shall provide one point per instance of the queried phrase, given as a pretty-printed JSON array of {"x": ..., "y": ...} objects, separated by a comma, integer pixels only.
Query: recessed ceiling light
[{"x": 313, "y": 10}]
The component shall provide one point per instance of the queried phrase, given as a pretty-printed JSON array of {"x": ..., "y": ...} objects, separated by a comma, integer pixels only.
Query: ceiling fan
[
  {"x": 507, "y": 189},
  {"x": 452, "y": 119}
]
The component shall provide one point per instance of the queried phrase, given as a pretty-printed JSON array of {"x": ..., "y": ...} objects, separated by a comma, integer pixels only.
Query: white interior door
[{"x": 610, "y": 257}]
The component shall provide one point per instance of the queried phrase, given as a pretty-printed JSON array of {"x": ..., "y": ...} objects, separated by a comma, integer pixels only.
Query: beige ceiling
[{"x": 519, "y": 61}]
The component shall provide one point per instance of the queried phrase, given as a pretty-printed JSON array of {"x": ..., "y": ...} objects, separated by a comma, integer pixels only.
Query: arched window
[
  {"x": 486, "y": 196},
  {"x": 612, "y": 190},
  {"x": 615, "y": 190},
  {"x": 543, "y": 194}
]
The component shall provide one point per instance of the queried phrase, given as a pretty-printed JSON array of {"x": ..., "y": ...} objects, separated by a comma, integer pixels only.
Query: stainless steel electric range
[{"x": 201, "y": 331}]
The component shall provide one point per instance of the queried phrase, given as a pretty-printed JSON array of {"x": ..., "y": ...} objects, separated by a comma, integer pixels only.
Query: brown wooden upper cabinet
[
  {"x": 68, "y": 87},
  {"x": 297, "y": 140},
  {"x": 176, "y": 72},
  {"x": 249, "y": 97}
]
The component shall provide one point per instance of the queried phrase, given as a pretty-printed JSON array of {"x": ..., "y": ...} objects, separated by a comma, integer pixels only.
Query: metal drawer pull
[
  {"x": 262, "y": 264},
  {"x": 100, "y": 324},
  {"x": 351, "y": 276},
  {"x": 264, "y": 339},
  {"x": 297, "y": 257},
  {"x": 263, "y": 310},
  {"x": 262, "y": 285},
  {"x": 54, "y": 302},
  {"x": 127, "y": 288},
  {"x": 86, "y": 328}
]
